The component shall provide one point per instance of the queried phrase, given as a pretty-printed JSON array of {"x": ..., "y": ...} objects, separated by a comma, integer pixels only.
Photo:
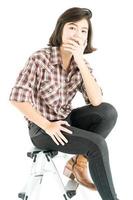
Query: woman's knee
[{"x": 109, "y": 112}]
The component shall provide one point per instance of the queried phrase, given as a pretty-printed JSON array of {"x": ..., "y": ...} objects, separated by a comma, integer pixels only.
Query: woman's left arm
[{"x": 93, "y": 90}]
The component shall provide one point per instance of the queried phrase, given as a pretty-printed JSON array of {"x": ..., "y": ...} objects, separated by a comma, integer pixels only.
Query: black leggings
[{"x": 90, "y": 126}]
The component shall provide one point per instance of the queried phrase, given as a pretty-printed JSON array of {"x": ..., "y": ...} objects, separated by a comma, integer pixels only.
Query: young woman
[{"x": 43, "y": 93}]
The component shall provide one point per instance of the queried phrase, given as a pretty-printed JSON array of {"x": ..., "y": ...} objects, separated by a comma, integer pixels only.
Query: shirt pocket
[{"x": 50, "y": 92}]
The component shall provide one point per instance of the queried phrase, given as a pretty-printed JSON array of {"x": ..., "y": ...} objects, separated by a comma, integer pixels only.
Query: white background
[{"x": 26, "y": 27}]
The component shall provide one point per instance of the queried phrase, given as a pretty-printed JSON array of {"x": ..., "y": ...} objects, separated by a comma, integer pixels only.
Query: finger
[
  {"x": 70, "y": 46},
  {"x": 70, "y": 49},
  {"x": 78, "y": 40},
  {"x": 65, "y": 122},
  {"x": 54, "y": 139},
  {"x": 66, "y": 130},
  {"x": 58, "y": 138},
  {"x": 62, "y": 137},
  {"x": 72, "y": 42}
]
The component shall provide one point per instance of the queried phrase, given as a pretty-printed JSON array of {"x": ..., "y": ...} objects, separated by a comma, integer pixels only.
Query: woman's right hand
[{"x": 54, "y": 131}]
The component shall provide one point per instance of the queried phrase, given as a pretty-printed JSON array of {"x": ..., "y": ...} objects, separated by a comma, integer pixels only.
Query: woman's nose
[{"x": 77, "y": 34}]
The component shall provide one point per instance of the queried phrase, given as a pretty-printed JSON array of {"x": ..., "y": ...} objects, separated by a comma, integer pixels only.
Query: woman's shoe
[{"x": 76, "y": 168}]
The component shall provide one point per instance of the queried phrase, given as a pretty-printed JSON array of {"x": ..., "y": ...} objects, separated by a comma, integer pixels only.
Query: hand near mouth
[
  {"x": 79, "y": 41},
  {"x": 76, "y": 47}
]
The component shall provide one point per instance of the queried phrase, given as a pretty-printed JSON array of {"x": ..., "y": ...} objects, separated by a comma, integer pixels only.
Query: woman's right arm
[
  {"x": 32, "y": 114},
  {"x": 27, "y": 83}
]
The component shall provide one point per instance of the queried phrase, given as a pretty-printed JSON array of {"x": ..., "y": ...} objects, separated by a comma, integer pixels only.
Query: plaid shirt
[{"x": 47, "y": 86}]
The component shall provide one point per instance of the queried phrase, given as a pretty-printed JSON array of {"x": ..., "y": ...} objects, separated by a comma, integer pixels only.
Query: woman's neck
[{"x": 66, "y": 57}]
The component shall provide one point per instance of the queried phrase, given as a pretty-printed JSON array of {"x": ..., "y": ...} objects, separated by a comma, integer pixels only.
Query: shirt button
[
  {"x": 50, "y": 89},
  {"x": 66, "y": 81},
  {"x": 62, "y": 109}
]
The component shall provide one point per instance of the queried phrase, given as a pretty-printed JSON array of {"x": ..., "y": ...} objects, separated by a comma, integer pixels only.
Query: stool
[{"x": 40, "y": 159}]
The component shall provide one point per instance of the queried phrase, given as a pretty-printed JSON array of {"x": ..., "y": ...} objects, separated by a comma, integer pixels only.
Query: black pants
[{"x": 90, "y": 126}]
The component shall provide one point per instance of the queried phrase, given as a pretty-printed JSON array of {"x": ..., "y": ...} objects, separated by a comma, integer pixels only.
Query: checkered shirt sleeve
[{"x": 27, "y": 83}]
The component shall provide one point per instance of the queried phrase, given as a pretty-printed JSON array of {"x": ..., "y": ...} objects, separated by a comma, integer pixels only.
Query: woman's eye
[
  {"x": 72, "y": 28},
  {"x": 83, "y": 31}
]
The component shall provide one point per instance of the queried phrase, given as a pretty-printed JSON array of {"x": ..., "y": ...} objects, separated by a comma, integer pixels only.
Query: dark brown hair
[{"x": 72, "y": 15}]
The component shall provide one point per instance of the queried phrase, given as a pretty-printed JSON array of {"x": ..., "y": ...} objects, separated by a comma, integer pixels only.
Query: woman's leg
[
  {"x": 83, "y": 142},
  {"x": 99, "y": 119}
]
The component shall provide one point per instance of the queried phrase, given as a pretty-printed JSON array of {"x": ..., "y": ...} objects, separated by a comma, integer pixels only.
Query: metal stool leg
[
  {"x": 33, "y": 186},
  {"x": 70, "y": 189}
]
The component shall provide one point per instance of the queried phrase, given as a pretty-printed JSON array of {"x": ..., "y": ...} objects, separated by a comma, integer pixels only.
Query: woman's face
[{"x": 76, "y": 31}]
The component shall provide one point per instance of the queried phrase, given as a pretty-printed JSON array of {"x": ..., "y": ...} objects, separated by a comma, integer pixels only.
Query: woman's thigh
[
  {"x": 99, "y": 119},
  {"x": 79, "y": 142}
]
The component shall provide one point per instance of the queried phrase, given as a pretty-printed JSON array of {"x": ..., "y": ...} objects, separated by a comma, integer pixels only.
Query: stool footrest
[
  {"x": 71, "y": 188},
  {"x": 21, "y": 195},
  {"x": 71, "y": 193}
]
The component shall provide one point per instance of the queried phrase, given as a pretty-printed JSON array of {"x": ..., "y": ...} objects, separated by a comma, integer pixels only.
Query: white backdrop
[{"x": 25, "y": 28}]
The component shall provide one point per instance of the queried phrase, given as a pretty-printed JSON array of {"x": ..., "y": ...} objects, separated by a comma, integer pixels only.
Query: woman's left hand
[{"x": 75, "y": 46}]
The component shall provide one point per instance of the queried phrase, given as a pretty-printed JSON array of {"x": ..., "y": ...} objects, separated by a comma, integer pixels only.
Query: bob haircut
[{"x": 72, "y": 15}]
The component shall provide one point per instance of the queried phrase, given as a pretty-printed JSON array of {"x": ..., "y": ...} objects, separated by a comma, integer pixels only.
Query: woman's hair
[{"x": 72, "y": 15}]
